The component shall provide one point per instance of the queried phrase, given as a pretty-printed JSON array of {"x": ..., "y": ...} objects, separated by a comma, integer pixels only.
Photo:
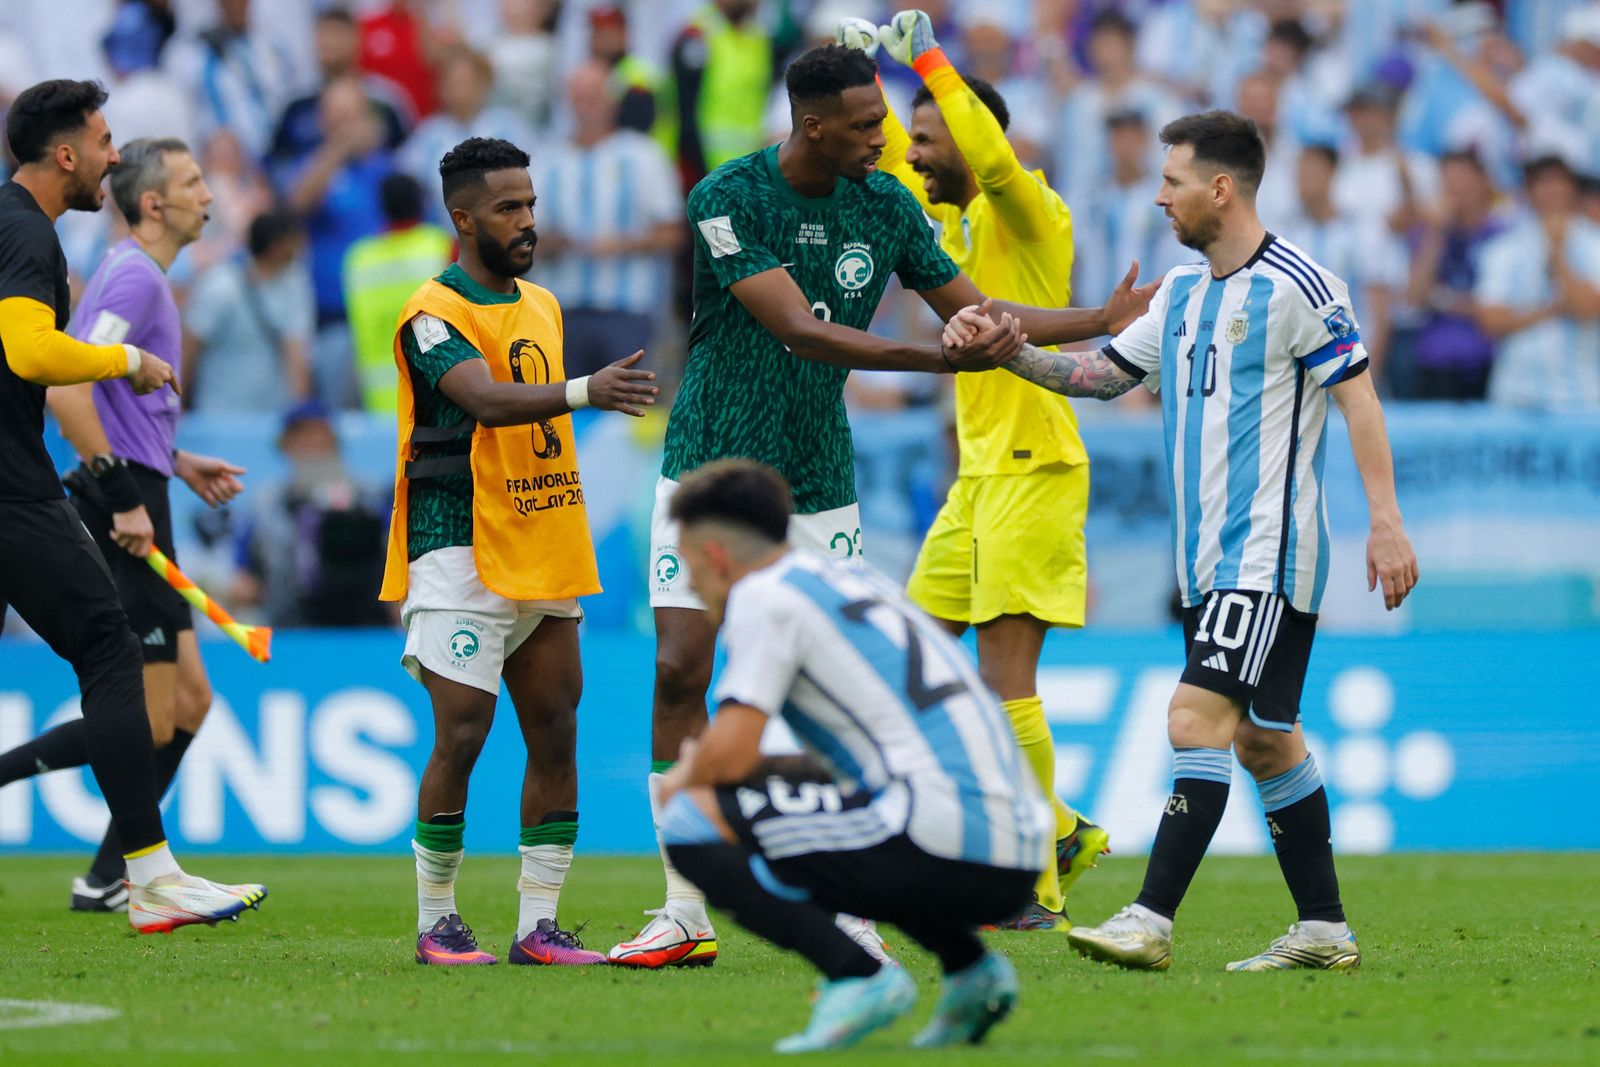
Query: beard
[
  {"x": 496, "y": 257},
  {"x": 84, "y": 195},
  {"x": 1200, "y": 234}
]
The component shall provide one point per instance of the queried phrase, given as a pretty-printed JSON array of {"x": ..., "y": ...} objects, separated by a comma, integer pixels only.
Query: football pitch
[{"x": 1468, "y": 959}]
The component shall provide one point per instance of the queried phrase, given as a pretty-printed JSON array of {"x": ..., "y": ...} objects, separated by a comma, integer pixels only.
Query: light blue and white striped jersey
[
  {"x": 1240, "y": 364},
  {"x": 890, "y": 703},
  {"x": 1552, "y": 364},
  {"x": 622, "y": 187}
]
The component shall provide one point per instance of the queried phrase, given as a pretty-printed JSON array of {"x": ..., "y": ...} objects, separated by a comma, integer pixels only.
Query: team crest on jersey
[
  {"x": 853, "y": 269},
  {"x": 1238, "y": 328}
]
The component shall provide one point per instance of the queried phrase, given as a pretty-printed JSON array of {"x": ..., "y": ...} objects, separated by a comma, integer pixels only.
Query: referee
[{"x": 50, "y": 570}]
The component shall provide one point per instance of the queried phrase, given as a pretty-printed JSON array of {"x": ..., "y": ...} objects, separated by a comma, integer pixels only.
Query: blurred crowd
[{"x": 1443, "y": 157}]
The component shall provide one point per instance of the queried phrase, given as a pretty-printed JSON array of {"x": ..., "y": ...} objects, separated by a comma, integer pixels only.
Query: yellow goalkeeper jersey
[{"x": 1014, "y": 240}]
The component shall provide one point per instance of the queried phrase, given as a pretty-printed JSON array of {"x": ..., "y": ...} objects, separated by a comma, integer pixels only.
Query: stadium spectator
[
  {"x": 1261, "y": 100},
  {"x": 380, "y": 274},
  {"x": 1451, "y": 355},
  {"x": 239, "y": 79},
  {"x": 1538, "y": 292},
  {"x": 1325, "y": 235},
  {"x": 990, "y": 54},
  {"x": 635, "y": 82},
  {"x": 335, "y": 193},
  {"x": 610, "y": 216},
  {"x": 338, "y": 46},
  {"x": 248, "y": 325},
  {"x": 401, "y": 43},
  {"x": 1082, "y": 166},
  {"x": 466, "y": 79},
  {"x": 311, "y": 547},
  {"x": 723, "y": 64},
  {"x": 526, "y": 60},
  {"x": 146, "y": 101},
  {"x": 1124, "y": 223},
  {"x": 240, "y": 192},
  {"x": 1555, "y": 101},
  {"x": 1380, "y": 186},
  {"x": 1448, "y": 105}
]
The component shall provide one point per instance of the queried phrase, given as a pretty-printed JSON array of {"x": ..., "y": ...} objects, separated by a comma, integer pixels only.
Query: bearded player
[
  {"x": 489, "y": 545},
  {"x": 1006, "y": 553},
  {"x": 128, "y": 446},
  {"x": 793, "y": 248},
  {"x": 1245, "y": 350}
]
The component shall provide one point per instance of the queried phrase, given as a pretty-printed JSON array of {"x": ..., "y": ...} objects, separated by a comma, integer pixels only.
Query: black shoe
[{"x": 87, "y": 896}]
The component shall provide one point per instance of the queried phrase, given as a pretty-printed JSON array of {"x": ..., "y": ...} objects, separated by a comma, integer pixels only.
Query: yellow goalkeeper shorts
[{"x": 1008, "y": 544}]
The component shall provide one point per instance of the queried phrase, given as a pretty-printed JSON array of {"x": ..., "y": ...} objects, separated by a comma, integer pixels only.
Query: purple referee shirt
[{"x": 128, "y": 301}]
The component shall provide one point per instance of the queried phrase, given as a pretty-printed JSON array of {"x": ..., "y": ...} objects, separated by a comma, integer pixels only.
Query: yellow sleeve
[
  {"x": 893, "y": 159},
  {"x": 39, "y": 353},
  {"x": 1020, "y": 198}
]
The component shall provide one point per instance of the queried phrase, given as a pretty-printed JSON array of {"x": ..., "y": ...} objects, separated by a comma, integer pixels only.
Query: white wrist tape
[
  {"x": 578, "y": 393},
  {"x": 134, "y": 359}
]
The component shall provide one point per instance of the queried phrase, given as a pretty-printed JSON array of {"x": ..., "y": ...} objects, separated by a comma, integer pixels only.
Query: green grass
[{"x": 1469, "y": 959}]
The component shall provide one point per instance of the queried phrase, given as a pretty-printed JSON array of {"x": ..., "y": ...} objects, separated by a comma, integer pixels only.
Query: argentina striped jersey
[
  {"x": 890, "y": 703},
  {"x": 1240, "y": 364}
]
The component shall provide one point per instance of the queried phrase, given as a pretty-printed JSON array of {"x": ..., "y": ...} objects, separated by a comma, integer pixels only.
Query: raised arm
[{"x": 1390, "y": 558}]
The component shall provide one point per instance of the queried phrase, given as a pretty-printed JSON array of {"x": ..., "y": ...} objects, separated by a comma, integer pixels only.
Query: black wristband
[{"x": 121, "y": 492}]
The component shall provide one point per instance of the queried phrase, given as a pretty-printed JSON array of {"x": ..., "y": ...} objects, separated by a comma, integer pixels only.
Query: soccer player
[
  {"x": 1006, "y": 553},
  {"x": 127, "y": 444},
  {"x": 935, "y": 825},
  {"x": 50, "y": 570},
  {"x": 489, "y": 545},
  {"x": 793, "y": 246},
  {"x": 1244, "y": 350}
]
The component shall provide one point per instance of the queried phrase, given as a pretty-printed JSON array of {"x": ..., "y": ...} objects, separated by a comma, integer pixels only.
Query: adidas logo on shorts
[{"x": 1217, "y": 661}]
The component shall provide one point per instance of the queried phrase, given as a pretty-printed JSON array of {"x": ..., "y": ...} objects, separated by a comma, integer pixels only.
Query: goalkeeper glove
[
  {"x": 908, "y": 36},
  {"x": 859, "y": 34}
]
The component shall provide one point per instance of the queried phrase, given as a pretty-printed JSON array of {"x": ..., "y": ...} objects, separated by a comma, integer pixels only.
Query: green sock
[
  {"x": 661, "y": 766},
  {"x": 556, "y": 828},
  {"x": 440, "y": 837}
]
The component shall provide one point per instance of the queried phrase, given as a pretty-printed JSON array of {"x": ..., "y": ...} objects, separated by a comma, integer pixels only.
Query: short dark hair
[
  {"x": 826, "y": 71},
  {"x": 400, "y": 198},
  {"x": 738, "y": 492},
  {"x": 1326, "y": 151},
  {"x": 1225, "y": 138},
  {"x": 1113, "y": 21},
  {"x": 1537, "y": 167},
  {"x": 143, "y": 169},
  {"x": 337, "y": 14},
  {"x": 466, "y": 164},
  {"x": 1291, "y": 32},
  {"x": 1468, "y": 155},
  {"x": 988, "y": 94},
  {"x": 269, "y": 228},
  {"x": 46, "y": 111}
]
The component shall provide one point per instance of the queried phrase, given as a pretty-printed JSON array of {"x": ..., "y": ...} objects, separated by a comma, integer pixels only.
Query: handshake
[{"x": 908, "y": 37}]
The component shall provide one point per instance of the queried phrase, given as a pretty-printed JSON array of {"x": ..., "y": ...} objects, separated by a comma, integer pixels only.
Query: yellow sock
[{"x": 1039, "y": 749}]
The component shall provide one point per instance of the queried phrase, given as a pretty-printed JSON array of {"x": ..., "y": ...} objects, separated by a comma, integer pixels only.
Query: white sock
[
  {"x": 436, "y": 885},
  {"x": 1325, "y": 931},
  {"x": 544, "y": 869},
  {"x": 684, "y": 902},
  {"x": 1162, "y": 924},
  {"x": 142, "y": 870}
]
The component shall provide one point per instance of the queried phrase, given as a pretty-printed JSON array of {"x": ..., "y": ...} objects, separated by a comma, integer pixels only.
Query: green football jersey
[{"x": 743, "y": 393}]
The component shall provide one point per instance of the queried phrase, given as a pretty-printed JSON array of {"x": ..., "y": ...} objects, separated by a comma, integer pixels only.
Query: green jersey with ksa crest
[{"x": 743, "y": 393}]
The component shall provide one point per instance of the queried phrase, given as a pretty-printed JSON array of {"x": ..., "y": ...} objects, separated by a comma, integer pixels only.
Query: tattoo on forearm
[{"x": 1082, "y": 374}]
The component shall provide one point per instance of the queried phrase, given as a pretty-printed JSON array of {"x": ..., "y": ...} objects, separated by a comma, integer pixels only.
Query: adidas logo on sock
[{"x": 1217, "y": 661}]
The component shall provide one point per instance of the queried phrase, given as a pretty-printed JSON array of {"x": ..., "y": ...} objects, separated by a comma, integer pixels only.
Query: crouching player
[
  {"x": 935, "y": 825},
  {"x": 489, "y": 546}
]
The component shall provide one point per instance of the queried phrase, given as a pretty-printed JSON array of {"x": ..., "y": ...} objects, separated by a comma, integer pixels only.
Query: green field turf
[{"x": 1469, "y": 959}]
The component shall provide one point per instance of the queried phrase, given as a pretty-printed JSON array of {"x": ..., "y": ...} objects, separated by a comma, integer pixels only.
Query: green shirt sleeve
[
  {"x": 432, "y": 346},
  {"x": 726, "y": 234},
  {"x": 923, "y": 264}
]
